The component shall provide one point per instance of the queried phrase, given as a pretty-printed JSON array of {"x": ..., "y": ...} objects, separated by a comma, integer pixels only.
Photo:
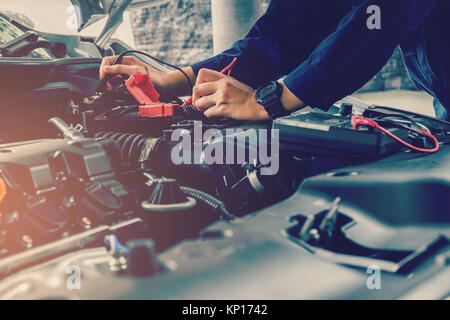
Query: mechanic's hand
[
  {"x": 132, "y": 65},
  {"x": 219, "y": 95}
]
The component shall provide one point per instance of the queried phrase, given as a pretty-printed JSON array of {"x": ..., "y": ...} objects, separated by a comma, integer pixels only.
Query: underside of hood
[{"x": 90, "y": 11}]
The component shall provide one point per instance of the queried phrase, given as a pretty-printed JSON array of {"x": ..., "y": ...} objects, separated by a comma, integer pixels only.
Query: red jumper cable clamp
[{"x": 144, "y": 92}]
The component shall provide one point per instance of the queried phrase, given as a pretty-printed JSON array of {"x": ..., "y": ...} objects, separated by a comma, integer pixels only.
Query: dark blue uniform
[{"x": 326, "y": 51}]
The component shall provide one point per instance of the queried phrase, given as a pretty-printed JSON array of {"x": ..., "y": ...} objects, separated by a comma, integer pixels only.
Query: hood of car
[{"x": 90, "y": 11}]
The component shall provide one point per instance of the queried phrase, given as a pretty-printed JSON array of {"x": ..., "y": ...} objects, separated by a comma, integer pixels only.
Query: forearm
[
  {"x": 176, "y": 83},
  {"x": 289, "y": 101}
]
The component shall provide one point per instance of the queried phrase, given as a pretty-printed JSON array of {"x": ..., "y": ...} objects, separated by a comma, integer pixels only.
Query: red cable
[
  {"x": 358, "y": 121},
  {"x": 229, "y": 68}
]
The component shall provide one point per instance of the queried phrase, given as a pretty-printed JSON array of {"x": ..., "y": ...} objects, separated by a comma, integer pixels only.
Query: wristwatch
[{"x": 269, "y": 96}]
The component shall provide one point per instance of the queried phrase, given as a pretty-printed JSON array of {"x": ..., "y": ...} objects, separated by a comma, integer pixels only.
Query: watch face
[
  {"x": 268, "y": 90},
  {"x": 267, "y": 93}
]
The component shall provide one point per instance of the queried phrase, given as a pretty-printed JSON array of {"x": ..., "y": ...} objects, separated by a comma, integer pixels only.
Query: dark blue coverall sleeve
[
  {"x": 323, "y": 46},
  {"x": 280, "y": 40}
]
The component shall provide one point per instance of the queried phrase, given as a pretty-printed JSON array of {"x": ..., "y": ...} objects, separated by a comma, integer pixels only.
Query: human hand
[
  {"x": 132, "y": 65},
  {"x": 219, "y": 95}
]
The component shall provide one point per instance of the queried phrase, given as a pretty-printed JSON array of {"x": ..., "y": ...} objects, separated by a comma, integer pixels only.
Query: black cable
[
  {"x": 121, "y": 55},
  {"x": 391, "y": 118}
]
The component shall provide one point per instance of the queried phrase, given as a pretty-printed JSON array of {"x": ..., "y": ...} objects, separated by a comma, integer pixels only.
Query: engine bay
[{"x": 149, "y": 199}]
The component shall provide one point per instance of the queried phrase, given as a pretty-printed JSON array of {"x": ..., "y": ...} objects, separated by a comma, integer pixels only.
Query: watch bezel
[{"x": 274, "y": 94}]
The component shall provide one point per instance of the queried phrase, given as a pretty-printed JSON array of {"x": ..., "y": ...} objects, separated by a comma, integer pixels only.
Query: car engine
[{"x": 97, "y": 184}]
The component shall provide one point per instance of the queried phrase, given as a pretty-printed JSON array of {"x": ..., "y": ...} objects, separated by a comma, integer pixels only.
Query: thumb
[{"x": 207, "y": 75}]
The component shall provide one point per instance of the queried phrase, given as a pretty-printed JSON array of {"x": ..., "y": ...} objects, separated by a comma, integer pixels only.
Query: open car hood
[{"x": 90, "y": 11}]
